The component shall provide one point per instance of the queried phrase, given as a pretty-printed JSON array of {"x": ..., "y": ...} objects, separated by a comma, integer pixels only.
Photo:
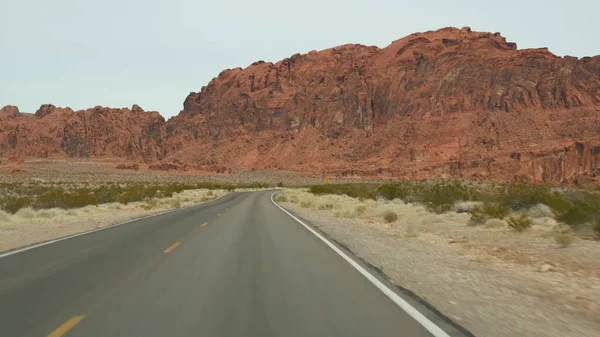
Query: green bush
[
  {"x": 524, "y": 196},
  {"x": 397, "y": 191},
  {"x": 519, "y": 224},
  {"x": 16, "y": 196},
  {"x": 480, "y": 214},
  {"x": 597, "y": 227},
  {"x": 390, "y": 217},
  {"x": 440, "y": 197},
  {"x": 574, "y": 216},
  {"x": 13, "y": 204}
]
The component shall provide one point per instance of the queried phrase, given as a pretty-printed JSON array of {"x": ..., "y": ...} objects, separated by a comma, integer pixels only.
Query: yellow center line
[
  {"x": 68, "y": 325},
  {"x": 204, "y": 224},
  {"x": 219, "y": 214},
  {"x": 172, "y": 247}
]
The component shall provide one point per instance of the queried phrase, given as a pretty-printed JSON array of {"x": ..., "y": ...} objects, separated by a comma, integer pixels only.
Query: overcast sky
[{"x": 119, "y": 52}]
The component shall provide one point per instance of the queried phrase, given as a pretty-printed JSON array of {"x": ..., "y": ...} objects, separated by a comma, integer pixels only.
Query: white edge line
[
  {"x": 45, "y": 243},
  {"x": 410, "y": 310}
]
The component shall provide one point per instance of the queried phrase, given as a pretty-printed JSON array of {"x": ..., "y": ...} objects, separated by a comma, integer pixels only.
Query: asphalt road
[{"x": 238, "y": 266}]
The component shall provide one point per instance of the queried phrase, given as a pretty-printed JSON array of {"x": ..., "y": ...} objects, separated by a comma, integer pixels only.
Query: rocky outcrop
[
  {"x": 9, "y": 111},
  {"x": 98, "y": 131},
  {"x": 451, "y": 102},
  {"x": 45, "y": 109}
]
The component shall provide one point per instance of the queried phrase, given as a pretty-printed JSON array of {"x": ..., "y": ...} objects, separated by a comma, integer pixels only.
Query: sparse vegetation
[
  {"x": 390, "y": 217},
  {"x": 480, "y": 214},
  {"x": 570, "y": 206},
  {"x": 360, "y": 209},
  {"x": 14, "y": 197},
  {"x": 520, "y": 224},
  {"x": 280, "y": 198},
  {"x": 564, "y": 240}
]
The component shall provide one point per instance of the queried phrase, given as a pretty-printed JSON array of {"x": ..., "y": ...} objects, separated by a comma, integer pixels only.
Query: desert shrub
[
  {"x": 306, "y": 204},
  {"x": 524, "y": 196},
  {"x": 574, "y": 216},
  {"x": 280, "y": 198},
  {"x": 364, "y": 191},
  {"x": 397, "y": 191},
  {"x": 584, "y": 208},
  {"x": 481, "y": 213},
  {"x": 12, "y": 204},
  {"x": 360, "y": 209},
  {"x": 67, "y": 196},
  {"x": 520, "y": 224},
  {"x": 280, "y": 184},
  {"x": 564, "y": 240},
  {"x": 440, "y": 197},
  {"x": 597, "y": 227},
  {"x": 151, "y": 204},
  {"x": 390, "y": 216}
]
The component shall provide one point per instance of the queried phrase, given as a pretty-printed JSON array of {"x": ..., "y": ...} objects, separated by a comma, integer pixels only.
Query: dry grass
[
  {"x": 280, "y": 197},
  {"x": 519, "y": 224},
  {"x": 564, "y": 240},
  {"x": 29, "y": 215}
]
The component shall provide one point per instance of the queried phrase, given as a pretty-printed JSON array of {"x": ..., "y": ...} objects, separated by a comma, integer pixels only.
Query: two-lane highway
[{"x": 238, "y": 266}]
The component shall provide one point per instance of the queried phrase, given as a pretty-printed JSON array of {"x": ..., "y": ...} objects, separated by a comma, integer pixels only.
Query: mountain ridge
[{"x": 450, "y": 102}]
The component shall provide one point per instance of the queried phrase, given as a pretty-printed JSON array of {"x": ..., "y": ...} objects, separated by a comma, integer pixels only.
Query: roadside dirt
[{"x": 489, "y": 279}]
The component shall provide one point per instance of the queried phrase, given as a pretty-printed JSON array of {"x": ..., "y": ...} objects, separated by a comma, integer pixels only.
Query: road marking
[
  {"x": 172, "y": 247},
  {"x": 409, "y": 309},
  {"x": 204, "y": 224},
  {"x": 218, "y": 214},
  {"x": 67, "y": 326},
  {"x": 20, "y": 250}
]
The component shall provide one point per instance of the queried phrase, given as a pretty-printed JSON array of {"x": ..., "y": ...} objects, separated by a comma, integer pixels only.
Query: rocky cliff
[
  {"x": 52, "y": 131},
  {"x": 450, "y": 102},
  {"x": 447, "y": 102}
]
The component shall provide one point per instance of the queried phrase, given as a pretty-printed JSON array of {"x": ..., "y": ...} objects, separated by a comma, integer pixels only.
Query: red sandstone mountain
[
  {"x": 447, "y": 102},
  {"x": 98, "y": 131}
]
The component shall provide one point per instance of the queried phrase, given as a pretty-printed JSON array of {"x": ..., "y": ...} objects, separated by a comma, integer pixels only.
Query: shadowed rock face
[{"x": 447, "y": 102}]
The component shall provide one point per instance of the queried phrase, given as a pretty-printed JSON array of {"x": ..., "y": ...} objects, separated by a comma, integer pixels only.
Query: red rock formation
[
  {"x": 447, "y": 102},
  {"x": 451, "y": 102},
  {"x": 98, "y": 131},
  {"x": 9, "y": 111}
]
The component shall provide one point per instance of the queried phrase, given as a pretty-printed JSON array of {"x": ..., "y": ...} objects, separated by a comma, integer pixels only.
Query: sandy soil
[
  {"x": 493, "y": 281},
  {"x": 29, "y": 226}
]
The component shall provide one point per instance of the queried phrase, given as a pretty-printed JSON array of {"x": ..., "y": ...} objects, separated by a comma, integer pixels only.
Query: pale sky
[{"x": 153, "y": 53}]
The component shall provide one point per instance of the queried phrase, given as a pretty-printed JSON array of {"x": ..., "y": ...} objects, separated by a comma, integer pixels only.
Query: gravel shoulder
[{"x": 490, "y": 280}]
